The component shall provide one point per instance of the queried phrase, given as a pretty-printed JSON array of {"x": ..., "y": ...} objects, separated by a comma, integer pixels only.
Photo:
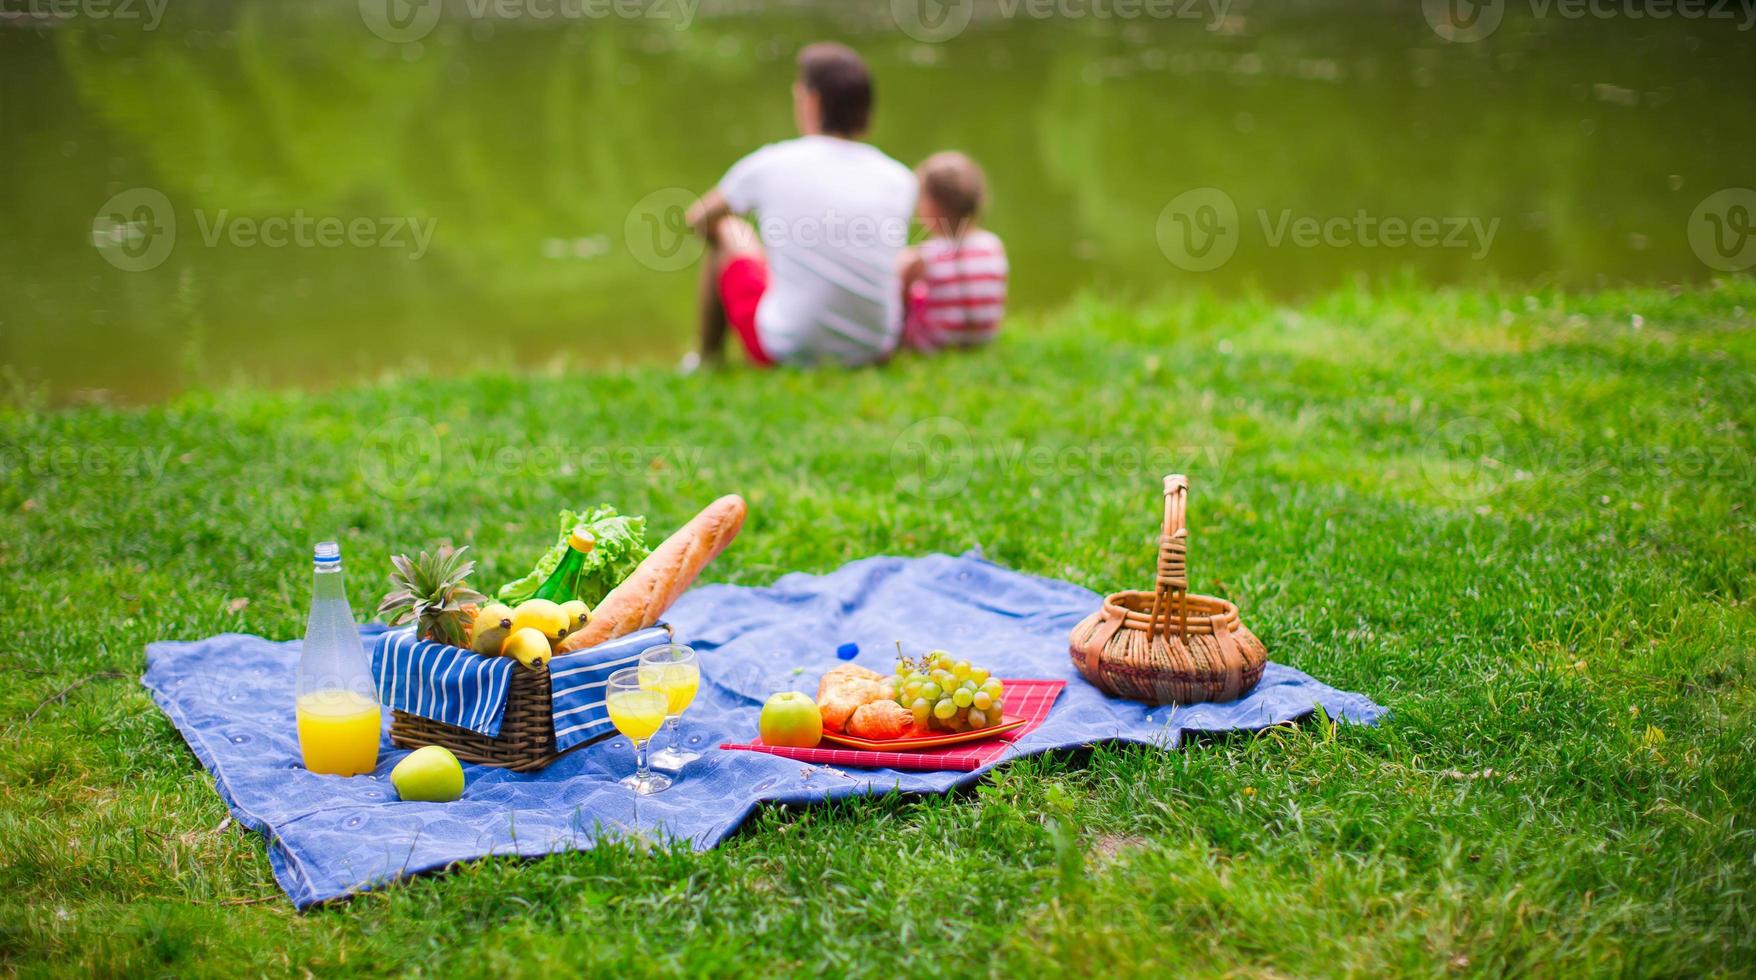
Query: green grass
[{"x": 1520, "y": 521}]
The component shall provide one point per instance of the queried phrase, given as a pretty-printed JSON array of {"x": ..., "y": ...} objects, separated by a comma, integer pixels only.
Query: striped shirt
[
  {"x": 833, "y": 214},
  {"x": 961, "y": 295}
]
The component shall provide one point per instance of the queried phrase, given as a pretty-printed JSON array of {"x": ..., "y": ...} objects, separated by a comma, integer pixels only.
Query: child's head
[{"x": 952, "y": 191}]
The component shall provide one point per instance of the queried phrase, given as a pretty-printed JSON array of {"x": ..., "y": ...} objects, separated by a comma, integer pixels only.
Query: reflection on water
[{"x": 268, "y": 192}]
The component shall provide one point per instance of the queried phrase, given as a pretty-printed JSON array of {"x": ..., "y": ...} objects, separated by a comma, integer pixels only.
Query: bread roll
[
  {"x": 672, "y": 567},
  {"x": 881, "y": 720},
  {"x": 845, "y": 690},
  {"x": 844, "y": 675},
  {"x": 842, "y": 691}
]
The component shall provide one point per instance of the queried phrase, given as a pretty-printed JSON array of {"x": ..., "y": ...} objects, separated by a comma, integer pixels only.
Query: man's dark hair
[{"x": 843, "y": 86}]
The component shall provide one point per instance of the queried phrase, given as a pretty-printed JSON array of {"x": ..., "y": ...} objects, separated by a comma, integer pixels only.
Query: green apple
[
  {"x": 791, "y": 718},
  {"x": 430, "y": 774}
]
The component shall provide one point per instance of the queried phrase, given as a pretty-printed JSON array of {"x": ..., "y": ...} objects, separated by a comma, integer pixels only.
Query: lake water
[{"x": 291, "y": 193}]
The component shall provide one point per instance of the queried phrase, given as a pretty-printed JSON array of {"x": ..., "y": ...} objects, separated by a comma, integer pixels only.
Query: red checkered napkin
[{"x": 1030, "y": 700}]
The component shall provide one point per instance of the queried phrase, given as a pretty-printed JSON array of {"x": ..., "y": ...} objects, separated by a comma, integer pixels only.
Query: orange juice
[
  {"x": 637, "y": 714},
  {"x": 678, "y": 682},
  {"x": 338, "y": 732}
]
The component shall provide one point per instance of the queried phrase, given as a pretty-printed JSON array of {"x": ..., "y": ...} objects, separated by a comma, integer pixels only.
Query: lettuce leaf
[{"x": 621, "y": 545}]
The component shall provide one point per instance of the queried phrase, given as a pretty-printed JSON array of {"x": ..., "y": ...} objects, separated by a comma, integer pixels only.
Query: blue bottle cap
[
  {"x": 848, "y": 651},
  {"x": 327, "y": 553}
]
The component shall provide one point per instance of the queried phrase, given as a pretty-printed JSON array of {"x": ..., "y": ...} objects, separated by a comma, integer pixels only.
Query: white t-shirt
[{"x": 832, "y": 214}]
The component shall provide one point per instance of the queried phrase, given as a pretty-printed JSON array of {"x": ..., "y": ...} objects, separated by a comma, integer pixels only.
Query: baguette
[{"x": 671, "y": 568}]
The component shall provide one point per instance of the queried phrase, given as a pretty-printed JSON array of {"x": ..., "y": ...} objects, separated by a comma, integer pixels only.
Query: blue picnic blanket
[{"x": 328, "y": 837}]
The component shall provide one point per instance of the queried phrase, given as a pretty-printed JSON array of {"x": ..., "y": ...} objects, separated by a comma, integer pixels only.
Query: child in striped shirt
[{"x": 954, "y": 283}]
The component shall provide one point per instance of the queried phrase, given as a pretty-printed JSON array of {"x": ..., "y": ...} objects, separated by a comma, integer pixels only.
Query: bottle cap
[
  {"x": 327, "y": 553},
  {"x": 581, "y": 540}
]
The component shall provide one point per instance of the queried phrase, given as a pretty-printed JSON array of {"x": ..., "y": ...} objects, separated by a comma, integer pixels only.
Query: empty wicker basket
[{"x": 1169, "y": 646}]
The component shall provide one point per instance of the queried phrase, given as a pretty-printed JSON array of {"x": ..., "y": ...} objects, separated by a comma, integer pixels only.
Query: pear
[
  {"x": 430, "y": 774},
  {"x": 528, "y": 647},
  {"x": 577, "y": 613},
  {"x": 543, "y": 616},
  {"x": 492, "y": 626}
]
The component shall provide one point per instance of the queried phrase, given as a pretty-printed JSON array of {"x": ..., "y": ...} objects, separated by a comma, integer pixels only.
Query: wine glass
[
  {"x": 673, "y": 669},
  {"x": 637, "y": 713}
]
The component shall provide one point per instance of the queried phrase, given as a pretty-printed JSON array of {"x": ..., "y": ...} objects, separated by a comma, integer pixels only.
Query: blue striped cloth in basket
[
  {"x": 577, "y": 682},
  {"x": 458, "y": 687}
]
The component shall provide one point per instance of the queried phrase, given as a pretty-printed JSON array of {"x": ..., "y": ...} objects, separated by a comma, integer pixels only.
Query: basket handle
[{"x": 1171, "y": 589}]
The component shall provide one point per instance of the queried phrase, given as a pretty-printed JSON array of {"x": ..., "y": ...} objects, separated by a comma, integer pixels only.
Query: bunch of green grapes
[{"x": 948, "y": 694}]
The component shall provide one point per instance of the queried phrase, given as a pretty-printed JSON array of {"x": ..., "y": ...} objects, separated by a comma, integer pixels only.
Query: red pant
[{"x": 741, "y": 285}]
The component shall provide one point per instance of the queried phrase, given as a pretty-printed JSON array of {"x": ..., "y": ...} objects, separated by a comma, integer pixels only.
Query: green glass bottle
[{"x": 562, "y": 585}]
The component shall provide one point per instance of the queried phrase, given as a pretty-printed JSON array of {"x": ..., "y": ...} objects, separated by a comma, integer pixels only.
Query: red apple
[{"x": 791, "y": 718}]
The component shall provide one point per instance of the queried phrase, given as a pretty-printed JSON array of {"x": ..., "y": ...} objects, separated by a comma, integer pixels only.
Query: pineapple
[{"x": 431, "y": 591}]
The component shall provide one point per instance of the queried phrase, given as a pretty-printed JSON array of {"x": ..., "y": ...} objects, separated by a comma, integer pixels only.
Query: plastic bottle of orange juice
[{"x": 339, "y": 719}]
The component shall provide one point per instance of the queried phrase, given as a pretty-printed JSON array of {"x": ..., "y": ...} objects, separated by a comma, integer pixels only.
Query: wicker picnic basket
[
  {"x": 1169, "y": 646},
  {"x": 526, "y": 739},
  {"x": 527, "y": 731}
]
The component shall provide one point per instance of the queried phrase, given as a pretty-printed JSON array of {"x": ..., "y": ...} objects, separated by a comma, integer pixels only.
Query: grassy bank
[{"x": 1524, "y": 523}]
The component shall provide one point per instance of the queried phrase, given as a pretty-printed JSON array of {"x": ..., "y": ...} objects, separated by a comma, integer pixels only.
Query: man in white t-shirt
[{"x": 821, "y": 284}]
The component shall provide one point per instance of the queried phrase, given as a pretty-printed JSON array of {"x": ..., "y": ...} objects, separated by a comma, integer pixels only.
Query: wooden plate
[{"x": 931, "y": 740}]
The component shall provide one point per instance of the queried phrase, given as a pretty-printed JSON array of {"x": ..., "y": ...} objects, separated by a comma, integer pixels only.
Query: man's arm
[{"x": 706, "y": 214}]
